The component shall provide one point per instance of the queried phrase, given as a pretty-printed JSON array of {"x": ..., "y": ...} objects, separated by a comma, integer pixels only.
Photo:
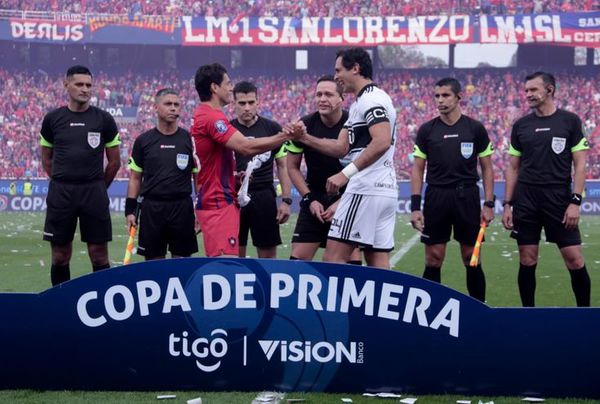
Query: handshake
[{"x": 295, "y": 130}]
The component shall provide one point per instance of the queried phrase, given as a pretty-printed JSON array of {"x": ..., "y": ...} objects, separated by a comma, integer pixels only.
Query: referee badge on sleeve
[
  {"x": 182, "y": 161},
  {"x": 94, "y": 139},
  {"x": 558, "y": 144},
  {"x": 466, "y": 149}
]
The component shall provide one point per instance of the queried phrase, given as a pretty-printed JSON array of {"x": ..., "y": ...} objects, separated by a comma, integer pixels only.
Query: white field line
[{"x": 405, "y": 248}]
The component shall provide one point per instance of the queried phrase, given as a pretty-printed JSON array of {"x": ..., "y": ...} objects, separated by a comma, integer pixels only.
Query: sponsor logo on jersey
[
  {"x": 466, "y": 149},
  {"x": 558, "y": 144},
  {"x": 453, "y": 135},
  {"x": 182, "y": 161},
  {"x": 77, "y": 124},
  {"x": 542, "y": 130},
  {"x": 167, "y": 146},
  {"x": 221, "y": 126},
  {"x": 93, "y": 139}
]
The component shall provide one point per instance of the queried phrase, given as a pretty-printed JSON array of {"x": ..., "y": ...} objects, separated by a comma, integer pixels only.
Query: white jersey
[{"x": 371, "y": 107}]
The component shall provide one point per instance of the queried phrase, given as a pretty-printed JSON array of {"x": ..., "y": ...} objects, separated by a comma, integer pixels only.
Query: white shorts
[{"x": 365, "y": 220}]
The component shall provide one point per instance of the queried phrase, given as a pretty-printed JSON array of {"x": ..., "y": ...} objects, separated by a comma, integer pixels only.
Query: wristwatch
[
  {"x": 287, "y": 200},
  {"x": 490, "y": 204}
]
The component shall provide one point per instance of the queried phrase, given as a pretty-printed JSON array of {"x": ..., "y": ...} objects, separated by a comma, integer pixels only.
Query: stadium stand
[
  {"x": 493, "y": 96},
  {"x": 307, "y": 8}
]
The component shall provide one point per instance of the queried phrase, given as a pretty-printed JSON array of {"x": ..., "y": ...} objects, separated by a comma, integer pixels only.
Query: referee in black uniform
[
  {"x": 161, "y": 164},
  {"x": 74, "y": 139},
  {"x": 317, "y": 207},
  {"x": 544, "y": 146},
  {"x": 450, "y": 146},
  {"x": 262, "y": 216}
]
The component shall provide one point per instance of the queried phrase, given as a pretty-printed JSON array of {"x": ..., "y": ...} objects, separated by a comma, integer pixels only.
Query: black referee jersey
[
  {"x": 545, "y": 145},
  {"x": 78, "y": 140},
  {"x": 166, "y": 163},
  {"x": 319, "y": 167},
  {"x": 451, "y": 151}
]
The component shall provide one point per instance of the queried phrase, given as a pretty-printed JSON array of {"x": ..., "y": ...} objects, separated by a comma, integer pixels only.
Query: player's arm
[
  {"x": 252, "y": 146},
  {"x": 133, "y": 191},
  {"x": 487, "y": 176},
  {"x": 511, "y": 176},
  {"x": 416, "y": 187},
  {"x": 337, "y": 148},
  {"x": 571, "y": 217},
  {"x": 112, "y": 167},
  {"x": 294, "y": 160},
  {"x": 381, "y": 141},
  {"x": 47, "y": 153},
  {"x": 283, "y": 211},
  {"x": 579, "y": 159}
]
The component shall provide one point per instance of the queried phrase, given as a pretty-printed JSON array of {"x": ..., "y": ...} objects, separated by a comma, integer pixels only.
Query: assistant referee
[
  {"x": 544, "y": 147},
  {"x": 451, "y": 145},
  {"x": 161, "y": 164}
]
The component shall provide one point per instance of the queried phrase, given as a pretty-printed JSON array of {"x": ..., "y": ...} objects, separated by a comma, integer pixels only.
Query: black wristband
[
  {"x": 287, "y": 200},
  {"x": 307, "y": 199},
  {"x": 415, "y": 202},
  {"x": 130, "y": 206},
  {"x": 509, "y": 203},
  {"x": 576, "y": 199}
]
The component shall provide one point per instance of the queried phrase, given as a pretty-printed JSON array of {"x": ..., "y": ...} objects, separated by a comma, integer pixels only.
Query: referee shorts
[
  {"x": 451, "y": 208},
  {"x": 259, "y": 218},
  {"x": 367, "y": 221},
  {"x": 308, "y": 228},
  {"x": 67, "y": 202},
  {"x": 167, "y": 223},
  {"x": 535, "y": 207}
]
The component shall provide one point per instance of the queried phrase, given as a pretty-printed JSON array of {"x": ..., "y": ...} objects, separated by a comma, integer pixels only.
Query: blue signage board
[{"x": 244, "y": 324}]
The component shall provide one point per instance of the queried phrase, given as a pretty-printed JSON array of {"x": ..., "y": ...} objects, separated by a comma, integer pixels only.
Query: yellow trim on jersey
[
  {"x": 44, "y": 142},
  {"x": 293, "y": 148},
  {"x": 418, "y": 153},
  {"x": 489, "y": 150},
  {"x": 514, "y": 152},
  {"x": 134, "y": 167},
  {"x": 195, "y": 170},
  {"x": 582, "y": 145},
  {"x": 115, "y": 142},
  {"x": 282, "y": 151}
]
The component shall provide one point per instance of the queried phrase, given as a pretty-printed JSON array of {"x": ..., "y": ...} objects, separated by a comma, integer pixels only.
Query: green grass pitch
[
  {"x": 25, "y": 262},
  {"x": 24, "y": 267}
]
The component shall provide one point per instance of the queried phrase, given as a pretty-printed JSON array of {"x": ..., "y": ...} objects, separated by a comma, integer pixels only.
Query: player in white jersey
[{"x": 366, "y": 215}]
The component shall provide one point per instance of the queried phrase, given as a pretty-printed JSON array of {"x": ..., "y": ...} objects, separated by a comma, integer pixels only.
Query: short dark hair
[
  {"x": 165, "y": 91},
  {"x": 77, "y": 69},
  {"x": 547, "y": 78},
  {"x": 452, "y": 83},
  {"x": 338, "y": 87},
  {"x": 207, "y": 75},
  {"x": 244, "y": 87},
  {"x": 352, "y": 56}
]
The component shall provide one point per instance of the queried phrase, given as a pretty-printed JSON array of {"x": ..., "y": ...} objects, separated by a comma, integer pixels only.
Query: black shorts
[
  {"x": 450, "y": 207},
  {"x": 67, "y": 202},
  {"x": 165, "y": 223},
  {"x": 542, "y": 206},
  {"x": 308, "y": 228},
  {"x": 260, "y": 218}
]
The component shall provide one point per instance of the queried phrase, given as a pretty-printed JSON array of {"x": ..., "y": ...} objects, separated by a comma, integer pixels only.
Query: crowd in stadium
[
  {"x": 494, "y": 96},
  {"x": 296, "y": 8}
]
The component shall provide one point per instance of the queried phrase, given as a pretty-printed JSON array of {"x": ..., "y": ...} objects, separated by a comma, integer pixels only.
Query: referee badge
[
  {"x": 94, "y": 139},
  {"x": 558, "y": 144},
  {"x": 182, "y": 161},
  {"x": 466, "y": 149}
]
